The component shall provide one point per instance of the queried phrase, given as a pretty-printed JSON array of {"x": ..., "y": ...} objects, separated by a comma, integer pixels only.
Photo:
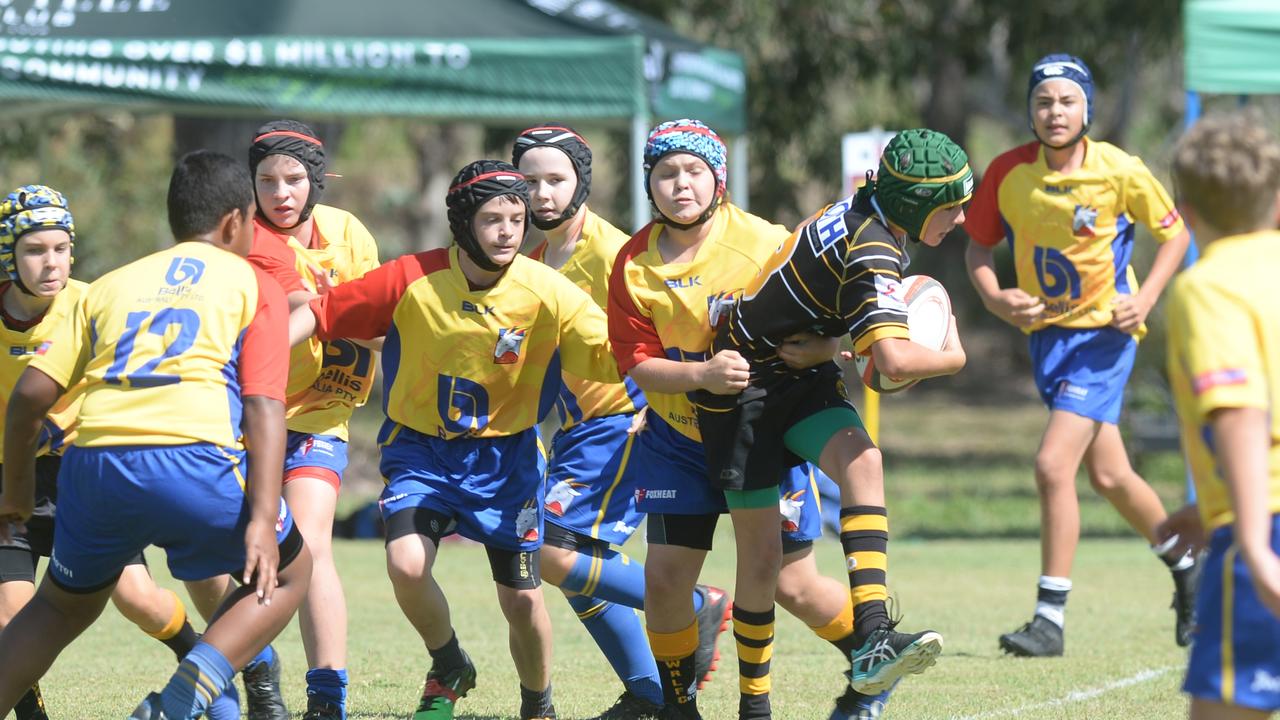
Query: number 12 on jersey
[{"x": 188, "y": 324}]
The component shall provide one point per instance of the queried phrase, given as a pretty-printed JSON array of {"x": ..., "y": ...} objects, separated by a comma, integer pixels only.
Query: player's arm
[
  {"x": 901, "y": 359},
  {"x": 1131, "y": 311},
  {"x": 1146, "y": 200},
  {"x": 32, "y": 399},
  {"x": 639, "y": 353},
  {"x": 1242, "y": 440},
  {"x": 358, "y": 310},
  {"x": 986, "y": 230},
  {"x": 1012, "y": 305},
  {"x": 263, "y": 372},
  {"x": 584, "y": 335}
]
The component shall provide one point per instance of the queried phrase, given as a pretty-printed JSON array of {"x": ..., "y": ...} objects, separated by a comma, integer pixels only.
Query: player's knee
[
  {"x": 790, "y": 593},
  {"x": 1050, "y": 475},
  {"x": 406, "y": 569},
  {"x": 522, "y": 606},
  {"x": 1107, "y": 481}
]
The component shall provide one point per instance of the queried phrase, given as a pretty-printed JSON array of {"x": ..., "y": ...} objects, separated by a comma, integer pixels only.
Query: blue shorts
[
  {"x": 1235, "y": 658},
  {"x": 591, "y": 479},
  {"x": 1083, "y": 371},
  {"x": 115, "y": 501},
  {"x": 322, "y": 456},
  {"x": 492, "y": 488},
  {"x": 672, "y": 480}
]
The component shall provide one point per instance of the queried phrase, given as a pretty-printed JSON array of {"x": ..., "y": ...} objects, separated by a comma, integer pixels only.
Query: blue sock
[
  {"x": 330, "y": 686},
  {"x": 617, "y": 578},
  {"x": 226, "y": 706},
  {"x": 199, "y": 680},
  {"x": 267, "y": 655},
  {"x": 620, "y": 636},
  {"x": 608, "y": 575}
]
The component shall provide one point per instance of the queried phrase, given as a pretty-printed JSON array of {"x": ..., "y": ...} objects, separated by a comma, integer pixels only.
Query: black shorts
[{"x": 731, "y": 424}]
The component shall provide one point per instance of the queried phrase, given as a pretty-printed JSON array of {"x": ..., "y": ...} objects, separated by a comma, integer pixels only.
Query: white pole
[
  {"x": 639, "y": 199},
  {"x": 739, "y": 172}
]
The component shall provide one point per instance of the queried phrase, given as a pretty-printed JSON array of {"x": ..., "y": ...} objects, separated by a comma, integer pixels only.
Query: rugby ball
[{"x": 928, "y": 320}]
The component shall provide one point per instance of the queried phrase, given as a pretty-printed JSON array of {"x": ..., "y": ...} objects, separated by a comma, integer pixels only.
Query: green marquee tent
[{"x": 479, "y": 60}]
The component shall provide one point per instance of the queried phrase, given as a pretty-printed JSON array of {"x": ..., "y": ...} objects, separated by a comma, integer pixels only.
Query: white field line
[{"x": 1075, "y": 696}]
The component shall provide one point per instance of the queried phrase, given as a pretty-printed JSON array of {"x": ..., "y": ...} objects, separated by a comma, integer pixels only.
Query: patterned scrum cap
[
  {"x": 28, "y": 209},
  {"x": 690, "y": 136}
]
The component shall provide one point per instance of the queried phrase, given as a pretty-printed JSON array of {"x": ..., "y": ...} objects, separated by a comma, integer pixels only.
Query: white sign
[{"x": 861, "y": 152}]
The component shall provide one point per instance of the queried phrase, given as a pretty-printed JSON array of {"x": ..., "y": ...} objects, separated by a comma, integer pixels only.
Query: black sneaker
[
  {"x": 631, "y": 707},
  {"x": 443, "y": 690},
  {"x": 1185, "y": 583},
  {"x": 1039, "y": 638},
  {"x": 713, "y": 619},
  {"x": 318, "y": 709},
  {"x": 888, "y": 655},
  {"x": 150, "y": 709},
  {"x": 262, "y": 697}
]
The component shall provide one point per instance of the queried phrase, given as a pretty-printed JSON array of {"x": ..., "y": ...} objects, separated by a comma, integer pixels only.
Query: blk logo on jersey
[
  {"x": 184, "y": 270},
  {"x": 20, "y": 350},
  {"x": 510, "y": 341},
  {"x": 1085, "y": 221},
  {"x": 561, "y": 496}
]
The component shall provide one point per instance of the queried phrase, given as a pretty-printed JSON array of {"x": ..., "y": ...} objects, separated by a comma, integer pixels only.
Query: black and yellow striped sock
[
  {"x": 31, "y": 705},
  {"x": 674, "y": 654},
  {"x": 177, "y": 635},
  {"x": 753, "y": 632},
  {"x": 864, "y": 534},
  {"x": 839, "y": 632}
]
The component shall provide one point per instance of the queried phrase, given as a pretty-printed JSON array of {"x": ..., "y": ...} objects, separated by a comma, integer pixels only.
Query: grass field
[
  {"x": 963, "y": 560},
  {"x": 1121, "y": 660}
]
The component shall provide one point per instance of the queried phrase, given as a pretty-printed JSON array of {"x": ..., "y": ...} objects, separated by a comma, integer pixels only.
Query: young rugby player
[
  {"x": 591, "y": 480},
  {"x": 37, "y": 241},
  {"x": 1067, "y": 207},
  {"x": 1224, "y": 367},
  {"x": 835, "y": 275},
  {"x": 670, "y": 284},
  {"x": 471, "y": 336},
  {"x": 287, "y": 162},
  {"x": 191, "y": 333}
]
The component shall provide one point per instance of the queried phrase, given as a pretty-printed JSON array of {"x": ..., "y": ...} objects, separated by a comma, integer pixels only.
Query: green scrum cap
[{"x": 921, "y": 172}]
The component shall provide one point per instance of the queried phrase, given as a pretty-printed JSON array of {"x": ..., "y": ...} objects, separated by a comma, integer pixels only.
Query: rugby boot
[
  {"x": 888, "y": 655},
  {"x": 443, "y": 689},
  {"x": 262, "y": 697},
  {"x": 1039, "y": 638},
  {"x": 630, "y": 706},
  {"x": 713, "y": 619}
]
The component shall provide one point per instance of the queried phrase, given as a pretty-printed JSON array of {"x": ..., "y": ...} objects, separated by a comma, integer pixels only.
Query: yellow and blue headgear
[{"x": 28, "y": 209}]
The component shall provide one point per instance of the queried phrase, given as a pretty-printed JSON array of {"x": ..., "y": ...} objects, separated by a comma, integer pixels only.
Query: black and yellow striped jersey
[{"x": 837, "y": 273}]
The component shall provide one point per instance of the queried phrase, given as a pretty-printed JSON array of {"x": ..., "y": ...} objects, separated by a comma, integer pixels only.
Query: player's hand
[
  {"x": 1128, "y": 312},
  {"x": 638, "y": 421},
  {"x": 261, "y": 559},
  {"x": 14, "y": 513},
  {"x": 1264, "y": 570},
  {"x": 726, "y": 373},
  {"x": 1184, "y": 525},
  {"x": 804, "y": 350},
  {"x": 321, "y": 277},
  {"x": 1016, "y": 307}
]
